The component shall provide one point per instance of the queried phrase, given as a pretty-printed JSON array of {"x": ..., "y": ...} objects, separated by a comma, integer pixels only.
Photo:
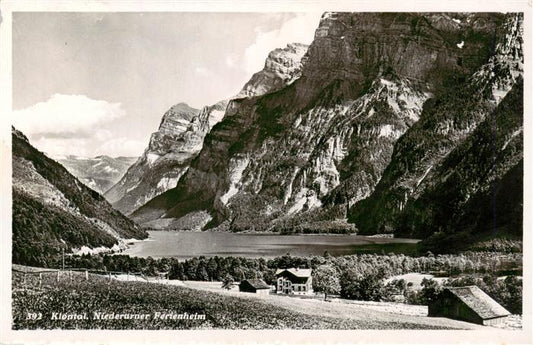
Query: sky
[{"x": 90, "y": 84}]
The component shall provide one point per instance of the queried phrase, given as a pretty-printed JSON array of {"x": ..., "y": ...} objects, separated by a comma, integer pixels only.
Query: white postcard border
[{"x": 8, "y": 336}]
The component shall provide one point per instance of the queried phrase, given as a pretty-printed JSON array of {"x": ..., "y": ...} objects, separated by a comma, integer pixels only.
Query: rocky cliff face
[
  {"x": 476, "y": 191},
  {"x": 282, "y": 67},
  {"x": 99, "y": 173},
  {"x": 181, "y": 134},
  {"x": 167, "y": 157},
  {"x": 467, "y": 141},
  {"x": 300, "y": 158},
  {"x": 53, "y": 210}
]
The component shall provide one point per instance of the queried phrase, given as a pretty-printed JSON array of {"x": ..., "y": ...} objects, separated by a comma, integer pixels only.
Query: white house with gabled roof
[{"x": 294, "y": 281}]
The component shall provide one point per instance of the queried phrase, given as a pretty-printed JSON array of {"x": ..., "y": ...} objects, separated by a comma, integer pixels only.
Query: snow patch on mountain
[
  {"x": 151, "y": 158},
  {"x": 388, "y": 131},
  {"x": 99, "y": 173},
  {"x": 109, "y": 169},
  {"x": 167, "y": 183}
]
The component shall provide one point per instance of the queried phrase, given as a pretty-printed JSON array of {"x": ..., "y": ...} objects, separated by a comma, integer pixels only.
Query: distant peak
[
  {"x": 176, "y": 116},
  {"x": 297, "y": 45},
  {"x": 292, "y": 48},
  {"x": 282, "y": 67},
  {"x": 182, "y": 107}
]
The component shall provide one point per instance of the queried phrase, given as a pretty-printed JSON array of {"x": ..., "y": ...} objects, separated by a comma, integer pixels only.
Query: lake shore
[{"x": 187, "y": 244}]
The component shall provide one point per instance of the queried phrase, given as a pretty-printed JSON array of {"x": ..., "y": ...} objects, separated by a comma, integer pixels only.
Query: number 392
[{"x": 34, "y": 316}]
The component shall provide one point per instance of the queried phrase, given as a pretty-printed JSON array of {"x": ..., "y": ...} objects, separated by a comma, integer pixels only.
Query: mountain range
[
  {"x": 404, "y": 123},
  {"x": 181, "y": 133},
  {"x": 99, "y": 173},
  {"x": 53, "y": 211},
  {"x": 408, "y": 124}
]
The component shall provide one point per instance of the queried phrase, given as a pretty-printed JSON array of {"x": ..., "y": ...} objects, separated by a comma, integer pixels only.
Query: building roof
[
  {"x": 479, "y": 302},
  {"x": 256, "y": 283},
  {"x": 298, "y": 272}
]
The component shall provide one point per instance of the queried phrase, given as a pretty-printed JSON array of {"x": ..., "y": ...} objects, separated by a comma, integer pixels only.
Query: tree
[
  {"x": 176, "y": 271},
  {"x": 366, "y": 285},
  {"x": 212, "y": 269},
  {"x": 201, "y": 272},
  {"x": 227, "y": 282},
  {"x": 326, "y": 280},
  {"x": 430, "y": 290}
]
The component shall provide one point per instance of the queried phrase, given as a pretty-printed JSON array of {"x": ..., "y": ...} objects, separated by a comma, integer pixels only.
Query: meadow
[{"x": 76, "y": 295}]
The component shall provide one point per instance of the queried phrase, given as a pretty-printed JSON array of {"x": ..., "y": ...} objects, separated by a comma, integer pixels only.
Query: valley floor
[
  {"x": 343, "y": 308},
  {"x": 226, "y": 309},
  {"x": 378, "y": 312},
  {"x": 73, "y": 294}
]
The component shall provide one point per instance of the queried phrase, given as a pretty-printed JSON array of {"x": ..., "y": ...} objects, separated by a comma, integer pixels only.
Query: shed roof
[
  {"x": 298, "y": 272},
  {"x": 257, "y": 283},
  {"x": 479, "y": 302}
]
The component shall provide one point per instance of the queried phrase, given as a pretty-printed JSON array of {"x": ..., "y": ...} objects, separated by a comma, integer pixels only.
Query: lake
[{"x": 185, "y": 245}]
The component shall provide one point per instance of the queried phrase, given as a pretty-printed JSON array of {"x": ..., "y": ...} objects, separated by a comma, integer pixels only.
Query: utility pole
[
  {"x": 347, "y": 210},
  {"x": 63, "y": 258}
]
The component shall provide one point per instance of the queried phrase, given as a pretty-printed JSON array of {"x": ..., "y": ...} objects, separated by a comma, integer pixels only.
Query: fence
[{"x": 162, "y": 277}]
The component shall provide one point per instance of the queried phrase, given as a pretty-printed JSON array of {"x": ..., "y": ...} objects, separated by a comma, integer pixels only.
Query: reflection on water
[{"x": 189, "y": 244}]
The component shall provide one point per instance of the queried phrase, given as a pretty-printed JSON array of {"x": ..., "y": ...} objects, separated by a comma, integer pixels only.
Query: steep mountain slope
[
  {"x": 167, "y": 156},
  {"x": 292, "y": 159},
  {"x": 282, "y": 67},
  {"x": 461, "y": 216},
  {"x": 52, "y": 210},
  {"x": 455, "y": 153},
  {"x": 181, "y": 133},
  {"x": 477, "y": 190},
  {"x": 99, "y": 173}
]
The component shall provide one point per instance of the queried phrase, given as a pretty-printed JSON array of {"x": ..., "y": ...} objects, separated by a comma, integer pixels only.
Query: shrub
[
  {"x": 326, "y": 280},
  {"x": 365, "y": 286},
  {"x": 507, "y": 292}
]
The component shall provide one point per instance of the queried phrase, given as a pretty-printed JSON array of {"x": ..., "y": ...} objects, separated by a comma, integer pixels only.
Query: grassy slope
[
  {"x": 89, "y": 202},
  {"x": 41, "y": 230},
  {"x": 223, "y": 311}
]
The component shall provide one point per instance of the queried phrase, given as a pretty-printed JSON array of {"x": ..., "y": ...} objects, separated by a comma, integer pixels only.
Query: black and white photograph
[{"x": 268, "y": 169}]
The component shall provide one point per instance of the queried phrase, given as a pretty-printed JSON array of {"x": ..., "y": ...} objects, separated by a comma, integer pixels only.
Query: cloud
[
  {"x": 75, "y": 124},
  {"x": 230, "y": 61},
  {"x": 64, "y": 116},
  {"x": 204, "y": 72},
  {"x": 89, "y": 147},
  {"x": 299, "y": 29},
  {"x": 55, "y": 147},
  {"x": 123, "y": 147}
]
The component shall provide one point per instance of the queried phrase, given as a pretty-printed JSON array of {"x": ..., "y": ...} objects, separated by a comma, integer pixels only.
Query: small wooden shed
[
  {"x": 468, "y": 303},
  {"x": 254, "y": 286}
]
